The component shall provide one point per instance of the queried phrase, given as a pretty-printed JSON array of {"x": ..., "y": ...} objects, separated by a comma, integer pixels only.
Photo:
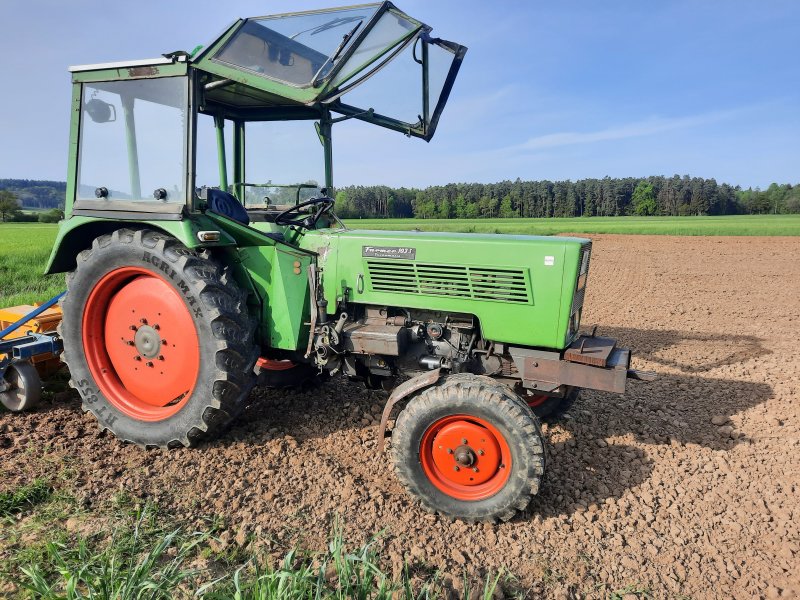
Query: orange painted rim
[
  {"x": 465, "y": 457},
  {"x": 141, "y": 344},
  {"x": 269, "y": 364}
]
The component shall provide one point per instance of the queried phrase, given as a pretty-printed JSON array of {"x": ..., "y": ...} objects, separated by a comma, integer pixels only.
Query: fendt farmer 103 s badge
[{"x": 187, "y": 285}]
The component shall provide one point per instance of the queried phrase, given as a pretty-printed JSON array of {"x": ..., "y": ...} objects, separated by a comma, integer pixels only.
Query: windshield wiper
[
  {"x": 347, "y": 37},
  {"x": 329, "y": 25}
]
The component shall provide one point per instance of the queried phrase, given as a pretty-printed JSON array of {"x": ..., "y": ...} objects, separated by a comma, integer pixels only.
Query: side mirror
[{"x": 100, "y": 112}]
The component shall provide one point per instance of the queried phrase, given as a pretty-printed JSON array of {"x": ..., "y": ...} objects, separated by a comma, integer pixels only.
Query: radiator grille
[
  {"x": 583, "y": 273},
  {"x": 476, "y": 283}
]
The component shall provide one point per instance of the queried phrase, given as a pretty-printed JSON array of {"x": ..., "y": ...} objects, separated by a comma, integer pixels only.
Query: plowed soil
[{"x": 688, "y": 486}]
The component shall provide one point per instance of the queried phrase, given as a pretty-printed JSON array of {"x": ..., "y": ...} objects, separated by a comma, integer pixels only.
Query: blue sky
[{"x": 548, "y": 90}]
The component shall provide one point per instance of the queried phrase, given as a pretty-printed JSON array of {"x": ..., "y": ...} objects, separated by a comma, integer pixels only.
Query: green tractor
[{"x": 189, "y": 285}]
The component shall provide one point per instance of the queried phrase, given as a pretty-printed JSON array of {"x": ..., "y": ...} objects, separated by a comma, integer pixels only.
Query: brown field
[{"x": 685, "y": 487}]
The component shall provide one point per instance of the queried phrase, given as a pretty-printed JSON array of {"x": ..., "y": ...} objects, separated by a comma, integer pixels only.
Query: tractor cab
[{"x": 243, "y": 126}]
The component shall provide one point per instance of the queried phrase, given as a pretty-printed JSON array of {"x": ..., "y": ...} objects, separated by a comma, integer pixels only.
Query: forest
[
  {"x": 36, "y": 193},
  {"x": 607, "y": 197}
]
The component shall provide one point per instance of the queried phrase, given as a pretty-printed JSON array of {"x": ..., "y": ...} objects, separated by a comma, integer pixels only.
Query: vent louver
[
  {"x": 583, "y": 273},
  {"x": 476, "y": 283}
]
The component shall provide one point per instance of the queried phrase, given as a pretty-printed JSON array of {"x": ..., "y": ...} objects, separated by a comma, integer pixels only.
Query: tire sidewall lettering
[
  {"x": 90, "y": 396},
  {"x": 182, "y": 287}
]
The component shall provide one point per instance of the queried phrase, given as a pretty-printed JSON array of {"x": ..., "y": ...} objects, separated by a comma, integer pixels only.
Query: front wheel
[
  {"x": 469, "y": 448},
  {"x": 157, "y": 339}
]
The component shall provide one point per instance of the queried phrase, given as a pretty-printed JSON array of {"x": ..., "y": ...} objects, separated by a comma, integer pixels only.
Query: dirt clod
[{"x": 687, "y": 487}]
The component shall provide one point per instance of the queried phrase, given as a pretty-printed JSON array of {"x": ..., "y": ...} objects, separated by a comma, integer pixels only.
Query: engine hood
[{"x": 504, "y": 280}]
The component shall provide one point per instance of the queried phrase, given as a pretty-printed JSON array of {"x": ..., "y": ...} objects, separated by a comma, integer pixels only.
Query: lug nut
[
  {"x": 475, "y": 469},
  {"x": 463, "y": 440},
  {"x": 132, "y": 327},
  {"x": 129, "y": 343},
  {"x": 137, "y": 357},
  {"x": 449, "y": 450},
  {"x": 143, "y": 321},
  {"x": 156, "y": 327},
  {"x": 160, "y": 357},
  {"x": 481, "y": 452},
  {"x": 149, "y": 363},
  {"x": 456, "y": 468}
]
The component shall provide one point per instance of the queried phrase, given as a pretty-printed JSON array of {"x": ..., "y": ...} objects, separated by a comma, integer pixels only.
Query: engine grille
[
  {"x": 476, "y": 283},
  {"x": 583, "y": 273}
]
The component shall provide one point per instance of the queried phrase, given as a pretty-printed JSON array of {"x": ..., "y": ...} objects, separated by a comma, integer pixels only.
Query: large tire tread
[{"x": 224, "y": 307}]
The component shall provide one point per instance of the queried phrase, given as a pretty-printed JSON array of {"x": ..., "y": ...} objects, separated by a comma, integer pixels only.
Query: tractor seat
[{"x": 227, "y": 205}]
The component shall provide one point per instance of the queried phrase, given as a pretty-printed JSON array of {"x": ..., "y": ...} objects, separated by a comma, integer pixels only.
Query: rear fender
[{"x": 76, "y": 234}]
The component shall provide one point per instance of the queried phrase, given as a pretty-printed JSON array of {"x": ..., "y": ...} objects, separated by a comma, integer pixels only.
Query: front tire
[
  {"x": 470, "y": 449},
  {"x": 157, "y": 339}
]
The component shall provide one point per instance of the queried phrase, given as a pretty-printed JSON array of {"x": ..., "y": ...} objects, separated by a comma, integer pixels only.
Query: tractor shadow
[
  {"x": 606, "y": 443},
  {"x": 591, "y": 458}
]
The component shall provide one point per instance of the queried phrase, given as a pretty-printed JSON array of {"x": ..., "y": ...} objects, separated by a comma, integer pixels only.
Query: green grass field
[
  {"x": 728, "y": 225},
  {"x": 24, "y": 247}
]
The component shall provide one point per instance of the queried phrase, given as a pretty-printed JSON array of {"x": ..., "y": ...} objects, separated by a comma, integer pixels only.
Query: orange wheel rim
[
  {"x": 141, "y": 344},
  {"x": 269, "y": 364},
  {"x": 465, "y": 457}
]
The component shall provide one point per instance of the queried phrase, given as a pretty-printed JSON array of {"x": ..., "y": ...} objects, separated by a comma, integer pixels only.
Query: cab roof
[{"x": 311, "y": 59}]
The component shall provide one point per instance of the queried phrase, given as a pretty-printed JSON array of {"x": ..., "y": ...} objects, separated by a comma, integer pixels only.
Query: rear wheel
[
  {"x": 551, "y": 408},
  {"x": 282, "y": 374},
  {"x": 469, "y": 448},
  {"x": 157, "y": 339}
]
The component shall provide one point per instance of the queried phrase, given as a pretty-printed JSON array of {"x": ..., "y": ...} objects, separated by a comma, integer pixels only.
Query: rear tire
[
  {"x": 157, "y": 339},
  {"x": 284, "y": 374},
  {"x": 500, "y": 466},
  {"x": 552, "y": 408}
]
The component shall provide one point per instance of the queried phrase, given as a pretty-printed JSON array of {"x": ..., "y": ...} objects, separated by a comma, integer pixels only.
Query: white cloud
[{"x": 635, "y": 129}]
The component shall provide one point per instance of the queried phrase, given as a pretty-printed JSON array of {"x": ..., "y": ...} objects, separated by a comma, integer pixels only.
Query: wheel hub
[
  {"x": 147, "y": 341},
  {"x": 141, "y": 343},
  {"x": 465, "y": 457}
]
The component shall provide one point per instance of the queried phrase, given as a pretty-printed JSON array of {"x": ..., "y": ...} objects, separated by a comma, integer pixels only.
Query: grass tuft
[
  {"x": 143, "y": 560},
  {"x": 24, "y": 497}
]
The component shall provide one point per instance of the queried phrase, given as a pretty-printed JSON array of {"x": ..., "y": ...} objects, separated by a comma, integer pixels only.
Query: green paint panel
[
  {"x": 519, "y": 287},
  {"x": 284, "y": 293}
]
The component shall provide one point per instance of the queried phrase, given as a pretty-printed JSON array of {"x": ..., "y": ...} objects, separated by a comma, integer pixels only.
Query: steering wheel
[{"x": 290, "y": 215}]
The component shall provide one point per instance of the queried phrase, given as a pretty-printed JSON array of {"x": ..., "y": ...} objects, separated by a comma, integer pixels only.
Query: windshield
[
  {"x": 297, "y": 49},
  {"x": 133, "y": 136}
]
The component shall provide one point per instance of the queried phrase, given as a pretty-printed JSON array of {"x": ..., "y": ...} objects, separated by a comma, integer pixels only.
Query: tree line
[
  {"x": 657, "y": 195},
  {"x": 609, "y": 196},
  {"x": 11, "y": 210},
  {"x": 36, "y": 193}
]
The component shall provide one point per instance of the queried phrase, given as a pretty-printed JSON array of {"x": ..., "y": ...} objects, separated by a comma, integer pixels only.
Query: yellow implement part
[{"x": 47, "y": 321}]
